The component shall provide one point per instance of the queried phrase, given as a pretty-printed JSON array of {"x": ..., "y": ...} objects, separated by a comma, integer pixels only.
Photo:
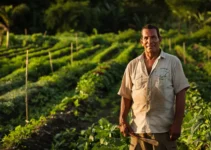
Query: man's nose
[{"x": 150, "y": 40}]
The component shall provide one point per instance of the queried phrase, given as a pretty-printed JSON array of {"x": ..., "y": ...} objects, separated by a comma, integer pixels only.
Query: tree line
[{"x": 53, "y": 16}]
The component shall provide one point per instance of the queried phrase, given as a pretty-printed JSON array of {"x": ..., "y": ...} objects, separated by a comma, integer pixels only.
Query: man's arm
[
  {"x": 175, "y": 129},
  {"x": 125, "y": 129}
]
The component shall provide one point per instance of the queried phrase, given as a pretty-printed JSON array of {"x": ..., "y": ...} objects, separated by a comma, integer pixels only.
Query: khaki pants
[{"x": 162, "y": 138}]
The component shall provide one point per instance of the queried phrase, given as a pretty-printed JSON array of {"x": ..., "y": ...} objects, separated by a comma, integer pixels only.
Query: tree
[
  {"x": 20, "y": 17},
  {"x": 202, "y": 19},
  {"x": 187, "y": 11},
  {"x": 110, "y": 15},
  {"x": 141, "y": 12},
  {"x": 66, "y": 15},
  {"x": 5, "y": 12},
  {"x": 7, "y": 15}
]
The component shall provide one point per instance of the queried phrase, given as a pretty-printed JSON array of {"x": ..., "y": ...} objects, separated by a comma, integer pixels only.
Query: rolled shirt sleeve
[
  {"x": 126, "y": 85},
  {"x": 180, "y": 81}
]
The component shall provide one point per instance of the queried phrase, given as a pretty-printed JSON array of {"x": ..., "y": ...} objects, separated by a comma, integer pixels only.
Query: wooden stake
[
  {"x": 169, "y": 44},
  {"x": 51, "y": 62},
  {"x": 25, "y": 31},
  {"x": 8, "y": 38},
  {"x": 76, "y": 41},
  {"x": 71, "y": 53},
  {"x": 26, "y": 89},
  {"x": 45, "y": 33}
]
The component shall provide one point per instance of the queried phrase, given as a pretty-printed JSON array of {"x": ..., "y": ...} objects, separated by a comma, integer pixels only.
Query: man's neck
[{"x": 151, "y": 56}]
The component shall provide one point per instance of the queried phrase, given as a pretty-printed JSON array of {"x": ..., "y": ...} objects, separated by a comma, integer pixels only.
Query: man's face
[{"x": 150, "y": 40}]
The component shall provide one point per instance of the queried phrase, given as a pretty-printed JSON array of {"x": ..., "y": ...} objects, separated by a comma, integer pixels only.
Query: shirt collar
[{"x": 162, "y": 55}]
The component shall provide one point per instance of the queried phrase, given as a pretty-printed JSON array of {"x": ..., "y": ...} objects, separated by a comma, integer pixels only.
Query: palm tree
[
  {"x": 7, "y": 15},
  {"x": 1, "y": 36},
  {"x": 5, "y": 21},
  {"x": 202, "y": 19}
]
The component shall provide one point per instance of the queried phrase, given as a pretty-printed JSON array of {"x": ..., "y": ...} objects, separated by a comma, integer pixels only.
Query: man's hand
[
  {"x": 126, "y": 130},
  {"x": 175, "y": 131},
  {"x": 124, "y": 127}
]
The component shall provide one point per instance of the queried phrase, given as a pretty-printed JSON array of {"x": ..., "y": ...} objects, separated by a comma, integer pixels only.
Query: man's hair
[{"x": 149, "y": 26}]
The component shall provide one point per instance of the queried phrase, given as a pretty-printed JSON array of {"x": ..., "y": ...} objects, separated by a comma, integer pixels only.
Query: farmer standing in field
[{"x": 153, "y": 87}]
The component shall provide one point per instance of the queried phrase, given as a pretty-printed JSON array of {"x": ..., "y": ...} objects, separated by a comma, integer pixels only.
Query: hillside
[{"x": 72, "y": 85}]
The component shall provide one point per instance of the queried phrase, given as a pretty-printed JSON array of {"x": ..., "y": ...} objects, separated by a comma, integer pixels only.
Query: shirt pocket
[
  {"x": 162, "y": 77},
  {"x": 160, "y": 83},
  {"x": 140, "y": 82}
]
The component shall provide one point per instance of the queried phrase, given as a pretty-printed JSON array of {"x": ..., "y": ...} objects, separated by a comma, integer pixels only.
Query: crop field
[{"x": 60, "y": 92}]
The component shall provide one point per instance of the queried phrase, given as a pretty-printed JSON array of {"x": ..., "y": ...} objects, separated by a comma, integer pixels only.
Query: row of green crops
[
  {"x": 196, "y": 131},
  {"x": 40, "y": 90},
  {"x": 100, "y": 80},
  {"x": 194, "y": 50},
  {"x": 16, "y": 57},
  {"x": 47, "y": 90},
  {"x": 40, "y": 67},
  {"x": 76, "y": 112}
]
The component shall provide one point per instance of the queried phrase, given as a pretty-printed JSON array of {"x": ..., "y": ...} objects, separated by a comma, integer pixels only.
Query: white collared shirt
[{"x": 153, "y": 94}]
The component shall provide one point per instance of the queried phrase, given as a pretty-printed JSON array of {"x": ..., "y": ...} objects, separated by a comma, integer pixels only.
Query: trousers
[{"x": 163, "y": 138}]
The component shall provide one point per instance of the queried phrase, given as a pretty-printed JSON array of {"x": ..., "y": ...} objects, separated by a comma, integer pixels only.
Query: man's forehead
[{"x": 149, "y": 32}]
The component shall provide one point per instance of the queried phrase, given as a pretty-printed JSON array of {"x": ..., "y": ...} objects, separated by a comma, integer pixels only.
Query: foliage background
[
  {"x": 66, "y": 97},
  {"x": 105, "y": 15}
]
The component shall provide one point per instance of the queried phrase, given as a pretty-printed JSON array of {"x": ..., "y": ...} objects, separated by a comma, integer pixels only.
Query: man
[{"x": 153, "y": 87}]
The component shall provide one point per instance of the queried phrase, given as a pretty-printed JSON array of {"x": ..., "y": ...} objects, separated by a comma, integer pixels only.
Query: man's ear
[
  {"x": 160, "y": 39},
  {"x": 141, "y": 41}
]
